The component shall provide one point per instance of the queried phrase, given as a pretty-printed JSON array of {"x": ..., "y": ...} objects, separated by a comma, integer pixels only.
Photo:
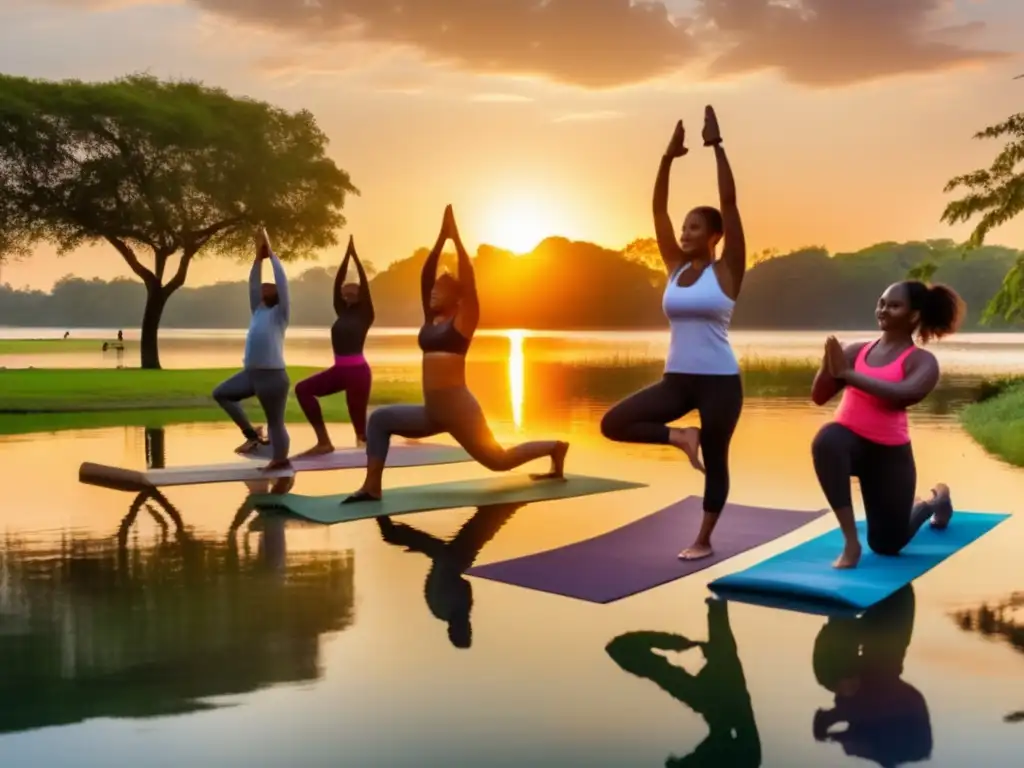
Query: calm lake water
[{"x": 181, "y": 630}]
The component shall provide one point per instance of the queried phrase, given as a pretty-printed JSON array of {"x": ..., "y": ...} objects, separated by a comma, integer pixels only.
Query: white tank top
[{"x": 699, "y": 317}]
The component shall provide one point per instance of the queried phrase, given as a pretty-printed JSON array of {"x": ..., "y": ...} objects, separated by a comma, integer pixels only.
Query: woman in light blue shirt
[{"x": 263, "y": 373}]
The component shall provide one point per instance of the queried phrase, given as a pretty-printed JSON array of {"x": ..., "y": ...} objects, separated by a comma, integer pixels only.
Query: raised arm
[
  {"x": 284, "y": 308},
  {"x": 255, "y": 294},
  {"x": 469, "y": 306},
  {"x": 339, "y": 280},
  {"x": 365, "y": 300},
  {"x": 734, "y": 250},
  {"x": 668, "y": 244},
  {"x": 922, "y": 374},
  {"x": 429, "y": 274},
  {"x": 255, "y": 274}
]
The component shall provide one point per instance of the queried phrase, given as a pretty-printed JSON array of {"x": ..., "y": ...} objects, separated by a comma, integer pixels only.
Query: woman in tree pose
[
  {"x": 451, "y": 311},
  {"x": 350, "y": 372},
  {"x": 869, "y": 437},
  {"x": 701, "y": 372}
]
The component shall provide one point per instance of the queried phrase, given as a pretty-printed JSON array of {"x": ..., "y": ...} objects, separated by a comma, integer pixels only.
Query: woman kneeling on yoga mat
[
  {"x": 451, "y": 311},
  {"x": 350, "y": 372},
  {"x": 869, "y": 438},
  {"x": 701, "y": 372}
]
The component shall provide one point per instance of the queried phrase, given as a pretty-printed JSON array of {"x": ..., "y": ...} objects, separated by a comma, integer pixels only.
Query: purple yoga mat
[{"x": 643, "y": 554}]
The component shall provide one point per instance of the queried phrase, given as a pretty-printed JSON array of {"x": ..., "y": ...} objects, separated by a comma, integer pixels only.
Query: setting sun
[{"x": 519, "y": 225}]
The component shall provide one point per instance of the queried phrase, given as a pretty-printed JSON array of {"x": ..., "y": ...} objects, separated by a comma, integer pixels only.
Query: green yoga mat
[{"x": 497, "y": 489}]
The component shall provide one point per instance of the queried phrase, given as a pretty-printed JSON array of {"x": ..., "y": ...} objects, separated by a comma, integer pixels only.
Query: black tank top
[
  {"x": 348, "y": 334},
  {"x": 443, "y": 337}
]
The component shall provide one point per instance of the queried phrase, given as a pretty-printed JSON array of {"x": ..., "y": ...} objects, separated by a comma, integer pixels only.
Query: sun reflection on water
[{"x": 516, "y": 375}]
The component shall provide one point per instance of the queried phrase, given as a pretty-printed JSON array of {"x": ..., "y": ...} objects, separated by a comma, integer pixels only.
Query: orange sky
[{"x": 843, "y": 119}]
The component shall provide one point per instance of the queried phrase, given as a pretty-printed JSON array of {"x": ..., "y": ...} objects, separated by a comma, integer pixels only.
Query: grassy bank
[
  {"x": 55, "y": 346},
  {"x": 996, "y": 421},
  {"x": 43, "y": 400}
]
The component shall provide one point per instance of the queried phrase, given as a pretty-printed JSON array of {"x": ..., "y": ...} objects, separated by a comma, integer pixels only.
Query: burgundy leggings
[{"x": 353, "y": 379}]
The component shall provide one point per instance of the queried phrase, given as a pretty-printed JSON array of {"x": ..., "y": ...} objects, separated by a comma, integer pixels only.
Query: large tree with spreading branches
[{"x": 162, "y": 172}]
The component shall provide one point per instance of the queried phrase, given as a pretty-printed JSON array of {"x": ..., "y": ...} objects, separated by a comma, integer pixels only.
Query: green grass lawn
[
  {"x": 997, "y": 421},
  {"x": 45, "y": 400},
  {"x": 55, "y": 346}
]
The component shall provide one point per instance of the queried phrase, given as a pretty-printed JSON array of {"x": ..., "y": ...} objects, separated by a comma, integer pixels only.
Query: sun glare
[{"x": 519, "y": 226}]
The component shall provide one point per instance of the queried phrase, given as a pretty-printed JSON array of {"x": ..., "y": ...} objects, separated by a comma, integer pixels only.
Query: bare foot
[
  {"x": 696, "y": 552},
  {"x": 277, "y": 464},
  {"x": 943, "y": 505},
  {"x": 557, "y": 464},
  {"x": 320, "y": 449},
  {"x": 850, "y": 557},
  {"x": 360, "y": 442},
  {"x": 360, "y": 496},
  {"x": 687, "y": 440}
]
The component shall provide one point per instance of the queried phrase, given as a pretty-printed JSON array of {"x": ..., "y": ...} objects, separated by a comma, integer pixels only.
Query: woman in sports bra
[
  {"x": 451, "y": 312},
  {"x": 701, "y": 372},
  {"x": 869, "y": 436},
  {"x": 350, "y": 373}
]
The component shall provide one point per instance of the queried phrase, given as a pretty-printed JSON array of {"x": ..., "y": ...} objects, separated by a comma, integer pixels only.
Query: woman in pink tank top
[{"x": 869, "y": 437}]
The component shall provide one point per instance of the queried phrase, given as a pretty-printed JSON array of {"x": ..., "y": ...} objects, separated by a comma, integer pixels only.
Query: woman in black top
[
  {"x": 350, "y": 372},
  {"x": 451, "y": 312}
]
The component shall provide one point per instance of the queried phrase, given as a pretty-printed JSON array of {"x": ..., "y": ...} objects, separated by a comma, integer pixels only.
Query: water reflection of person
[
  {"x": 861, "y": 661},
  {"x": 271, "y": 548},
  {"x": 718, "y": 693},
  {"x": 448, "y": 594}
]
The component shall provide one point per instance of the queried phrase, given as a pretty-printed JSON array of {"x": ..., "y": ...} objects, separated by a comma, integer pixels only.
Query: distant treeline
[{"x": 561, "y": 285}]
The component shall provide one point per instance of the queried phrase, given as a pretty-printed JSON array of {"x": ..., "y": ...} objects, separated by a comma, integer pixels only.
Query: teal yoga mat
[
  {"x": 805, "y": 572},
  {"x": 497, "y": 489}
]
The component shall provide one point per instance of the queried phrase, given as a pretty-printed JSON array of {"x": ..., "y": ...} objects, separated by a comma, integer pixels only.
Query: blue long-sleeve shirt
[{"x": 264, "y": 344}]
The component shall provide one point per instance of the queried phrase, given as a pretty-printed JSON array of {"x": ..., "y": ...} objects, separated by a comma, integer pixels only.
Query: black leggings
[
  {"x": 643, "y": 418},
  {"x": 888, "y": 481}
]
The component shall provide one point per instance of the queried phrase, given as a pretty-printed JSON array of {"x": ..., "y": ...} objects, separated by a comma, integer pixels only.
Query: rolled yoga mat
[
  {"x": 643, "y": 554},
  {"x": 805, "y": 572},
  {"x": 496, "y": 489}
]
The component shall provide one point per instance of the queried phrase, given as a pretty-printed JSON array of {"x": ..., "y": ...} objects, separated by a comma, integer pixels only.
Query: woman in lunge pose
[
  {"x": 869, "y": 437},
  {"x": 451, "y": 311},
  {"x": 350, "y": 372},
  {"x": 263, "y": 373},
  {"x": 701, "y": 372}
]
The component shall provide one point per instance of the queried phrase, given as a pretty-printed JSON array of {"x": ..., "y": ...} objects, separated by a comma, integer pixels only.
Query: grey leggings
[
  {"x": 268, "y": 385},
  {"x": 456, "y": 412}
]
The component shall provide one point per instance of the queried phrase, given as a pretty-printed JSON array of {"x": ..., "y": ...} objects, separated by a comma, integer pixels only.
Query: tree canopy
[
  {"x": 996, "y": 194},
  {"x": 158, "y": 170}
]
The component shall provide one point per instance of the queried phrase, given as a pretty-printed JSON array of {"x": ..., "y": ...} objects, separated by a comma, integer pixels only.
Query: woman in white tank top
[{"x": 701, "y": 371}]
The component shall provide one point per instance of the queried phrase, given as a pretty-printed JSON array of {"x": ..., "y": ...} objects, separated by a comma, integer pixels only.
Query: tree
[
  {"x": 163, "y": 169},
  {"x": 997, "y": 195}
]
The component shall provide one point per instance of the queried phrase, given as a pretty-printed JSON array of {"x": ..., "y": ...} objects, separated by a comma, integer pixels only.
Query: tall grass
[{"x": 996, "y": 420}]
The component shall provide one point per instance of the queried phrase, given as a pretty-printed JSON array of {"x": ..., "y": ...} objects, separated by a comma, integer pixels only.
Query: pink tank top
[{"x": 871, "y": 417}]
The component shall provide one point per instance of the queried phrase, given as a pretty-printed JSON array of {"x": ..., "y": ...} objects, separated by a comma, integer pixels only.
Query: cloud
[
  {"x": 599, "y": 44},
  {"x": 821, "y": 43},
  {"x": 588, "y": 43}
]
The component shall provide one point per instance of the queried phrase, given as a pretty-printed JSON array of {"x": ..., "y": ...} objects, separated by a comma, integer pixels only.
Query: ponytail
[{"x": 940, "y": 307}]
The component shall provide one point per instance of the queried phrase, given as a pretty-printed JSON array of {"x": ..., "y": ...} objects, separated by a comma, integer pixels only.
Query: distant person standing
[
  {"x": 701, "y": 372},
  {"x": 120, "y": 335},
  {"x": 263, "y": 374},
  {"x": 350, "y": 373}
]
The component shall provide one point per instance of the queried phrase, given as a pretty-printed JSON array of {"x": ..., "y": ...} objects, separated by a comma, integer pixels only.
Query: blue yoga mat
[{"x": 805, "y": 572}]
